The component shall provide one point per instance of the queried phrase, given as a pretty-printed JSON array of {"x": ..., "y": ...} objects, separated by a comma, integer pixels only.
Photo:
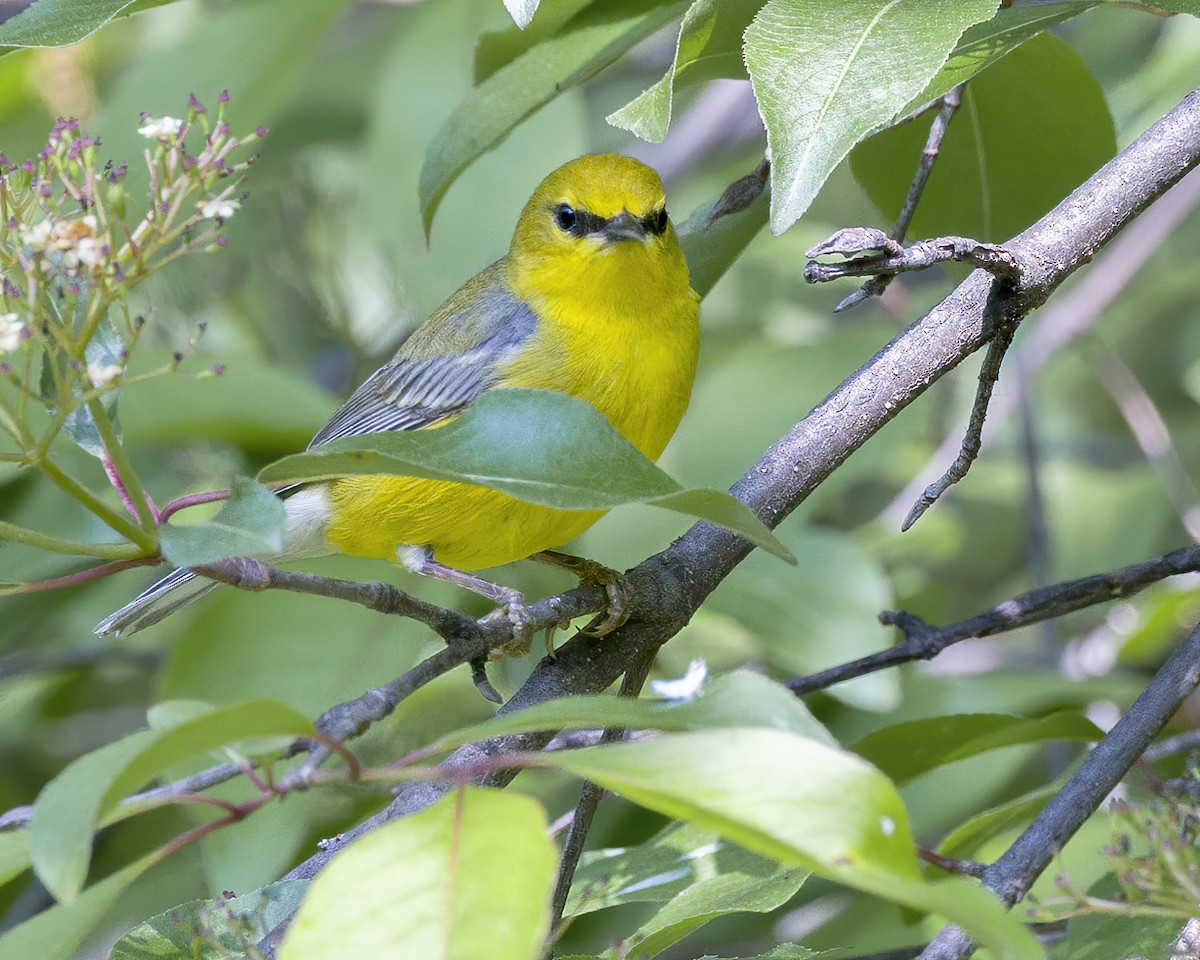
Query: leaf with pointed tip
[
  {"x": 800, "y": 802},
  {"x": 709, "y": 46},
  {"x": 905, "y": 751},
  {"x": 72, "y": 805},
  {"x": 55, "y": 933},
  {"x": 537, "y": 445},
  {"x": 824, "y": 81}
]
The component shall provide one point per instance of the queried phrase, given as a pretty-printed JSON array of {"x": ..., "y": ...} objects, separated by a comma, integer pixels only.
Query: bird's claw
[
  {"x": 561, "y": 624},
  {"x": 619, "y": 594},
  {"x": 516, "y": 611}
]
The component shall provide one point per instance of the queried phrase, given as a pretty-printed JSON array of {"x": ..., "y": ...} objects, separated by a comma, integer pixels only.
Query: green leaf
[
  {"x": 824, "y": 80},
  {"x": 823, "y": 613},
  {"x": 53, "y": 23},
  {"x": 785, "y": 951},
  {"x": 905, "y": 751},
  {"x": 538, "y": 445},
  {"x": 740, "y": 699},
  {"x": 66, "y": 811},
  {"x": 252, "y": 521},
  {"x": 692, "y": 872},
  {"x": 1176, "y": 6},
  {"x": 967, "y": 838},
  {"x": 211, "y": 929},
  {"x": 14, "y": 854},
  {"x": 709, "y": 46},
  {"x": 105, "y": 349},
  {"x": 711, "y": 248},
  {"x": 586, "y": 45},
  {"x": 985, "y": 43},
  {"x": 1102, "y": 936},
  {"x": 466, "y": 878},
  {"x": 1010, "y": 154},
  {"x": 73, "y": 804},
  {"x": 54, "y": 934},
  {"x": 802, "y": 803},
  {"x": 497, "y": 48}
]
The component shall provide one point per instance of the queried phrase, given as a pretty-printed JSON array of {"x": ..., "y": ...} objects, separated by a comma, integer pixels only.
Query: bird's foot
[
  {"x": 620, "y": 595},
  {"x": 593, "y": 574},
  {"x": 516, "y": 610}
]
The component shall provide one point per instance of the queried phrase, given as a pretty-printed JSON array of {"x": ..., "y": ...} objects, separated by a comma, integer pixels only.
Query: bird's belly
[{"x": 466, "y": 527}]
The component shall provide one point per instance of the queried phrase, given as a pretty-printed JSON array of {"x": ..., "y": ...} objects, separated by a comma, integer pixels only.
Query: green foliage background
[{"x": 328, "y": 269}]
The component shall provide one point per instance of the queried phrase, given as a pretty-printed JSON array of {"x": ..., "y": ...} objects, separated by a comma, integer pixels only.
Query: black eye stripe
[{"x": 580, "y": 223}]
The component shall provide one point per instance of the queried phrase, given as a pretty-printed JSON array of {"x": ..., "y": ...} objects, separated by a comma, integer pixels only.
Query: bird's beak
[{"x": 624, "y": 226}]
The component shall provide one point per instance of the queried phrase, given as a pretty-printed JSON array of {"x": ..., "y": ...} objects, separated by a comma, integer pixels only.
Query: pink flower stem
[
  {"x": 83, "y": 576},
  {"x": 114, "y": 477},
  {"x": 191, "y": 500}
]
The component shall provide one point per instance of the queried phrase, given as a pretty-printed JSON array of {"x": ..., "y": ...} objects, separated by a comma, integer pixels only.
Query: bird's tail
[
  {"x": 307, "y": 511},
  {"x": 176, "y": 589}
]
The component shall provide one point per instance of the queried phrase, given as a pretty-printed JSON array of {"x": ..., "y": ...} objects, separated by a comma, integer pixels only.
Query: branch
[
  {"x": 585, "y": 810},
  {"x": 893, "y": 258},
  {"x": 669, "y": 587},
  {"x": 1073, "y": 314},
  {"x": 923, "y": 642},
  {"x": 1011, "y": 876},
  {"x": 947, "y": 106}
]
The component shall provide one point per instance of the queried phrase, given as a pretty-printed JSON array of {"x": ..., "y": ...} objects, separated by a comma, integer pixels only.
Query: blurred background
[{"x": 1090, "y": 459}]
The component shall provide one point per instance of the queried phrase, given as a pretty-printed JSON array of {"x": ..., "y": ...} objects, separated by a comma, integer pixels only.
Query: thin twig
[
  {"x": 947, "y": 106},
  {"x": 989, "y": 373},
  {"x": 585, "y": 810},
  {"x": 1180, "y": 743},
  {"x": 923, "y": 642},
  {"x": 450, "y": 625},
  {"x": 969, "y": 868},
  {"x": 1011, "y": 876},
  {"x": 18, "y": 817},
  {"x": 86, "y": 575},
  {"x": 1075, "y": 312}
]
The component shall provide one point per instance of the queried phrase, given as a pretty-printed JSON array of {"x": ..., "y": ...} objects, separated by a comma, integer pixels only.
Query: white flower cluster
[
  {"x": 12, "y": 332},
  {"x": 161, "y": 128},
  {"x": 75, "y": 239},
  {"x": 219, "y": 209},
  {"x": 103, "y": 373}
]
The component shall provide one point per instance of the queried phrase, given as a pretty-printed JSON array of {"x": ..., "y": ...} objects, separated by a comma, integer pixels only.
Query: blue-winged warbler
[{"x": 592, "y": 300}]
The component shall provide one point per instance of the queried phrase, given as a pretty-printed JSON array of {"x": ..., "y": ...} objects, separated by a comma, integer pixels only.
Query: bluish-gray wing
[{"x": 410, "y": 392}]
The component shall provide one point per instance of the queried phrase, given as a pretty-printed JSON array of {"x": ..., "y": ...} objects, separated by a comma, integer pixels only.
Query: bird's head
[{"x": 599, "y": 215}]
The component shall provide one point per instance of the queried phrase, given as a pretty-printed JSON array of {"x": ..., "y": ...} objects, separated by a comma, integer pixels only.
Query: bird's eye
[
  {"x": 564, "y": 216},
  {"x": 660, "y": 223}
]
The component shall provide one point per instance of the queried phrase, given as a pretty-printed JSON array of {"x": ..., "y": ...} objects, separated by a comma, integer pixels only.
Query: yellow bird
[{"x": 592, "y": 300}]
